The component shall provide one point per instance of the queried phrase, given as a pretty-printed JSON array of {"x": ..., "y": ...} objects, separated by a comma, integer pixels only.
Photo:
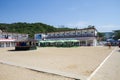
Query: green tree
[
  {"x": 91, "y": 26},
  {"x": 116, "y": 34},
  {"x": 100, "y": 36}
]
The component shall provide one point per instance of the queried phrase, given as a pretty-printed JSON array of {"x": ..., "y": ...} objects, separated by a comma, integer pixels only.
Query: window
[
  {"x": 1, "y": 44},
  {"x": 78, "y": 32},
  {"x": 92, "y": 32},
  {"x": 73, "y": 33},
  {"x": 67, "y": 33},
  {"x": 8, "y": 44}
]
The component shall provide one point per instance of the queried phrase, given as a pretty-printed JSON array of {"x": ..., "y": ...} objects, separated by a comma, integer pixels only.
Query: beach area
[{"x": 51, "y": 63}]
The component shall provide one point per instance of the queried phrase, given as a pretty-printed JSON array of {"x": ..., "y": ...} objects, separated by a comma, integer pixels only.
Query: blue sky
[{"x": 103, "y": 14}]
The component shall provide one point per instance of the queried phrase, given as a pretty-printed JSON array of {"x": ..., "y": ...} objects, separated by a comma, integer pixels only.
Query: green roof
[{"x": 53, "y": 41}]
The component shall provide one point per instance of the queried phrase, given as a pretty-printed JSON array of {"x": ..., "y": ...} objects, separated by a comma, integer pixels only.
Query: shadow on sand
[
  {"x": 118, "y": 50},
  {"x": 17, "y": 50}
]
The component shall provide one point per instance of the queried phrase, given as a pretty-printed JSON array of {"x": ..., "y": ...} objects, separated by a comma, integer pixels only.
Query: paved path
[
  {"x": 8, "y": 72},
  {"x": 110, "y": 70},
  {"x": 48, "y": 71}
]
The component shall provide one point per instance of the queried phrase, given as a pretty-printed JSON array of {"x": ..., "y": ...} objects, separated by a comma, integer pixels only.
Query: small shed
[{"x": 25, "y": 44}]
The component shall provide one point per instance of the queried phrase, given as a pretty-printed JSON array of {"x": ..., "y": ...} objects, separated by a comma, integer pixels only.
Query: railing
[{"x": 70, "y": 36}]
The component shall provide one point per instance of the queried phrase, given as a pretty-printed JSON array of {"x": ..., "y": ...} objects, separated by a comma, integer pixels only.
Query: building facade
[
  {"x": 9, "y": 39},
  {"x": 86, "y": 36}
]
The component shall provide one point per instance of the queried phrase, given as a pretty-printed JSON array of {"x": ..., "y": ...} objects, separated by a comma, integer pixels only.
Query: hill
[{"x": 30, "y": 28}]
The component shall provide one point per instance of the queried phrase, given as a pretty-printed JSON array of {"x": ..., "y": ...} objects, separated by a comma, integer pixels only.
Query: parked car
[{"x": 119, "y": 43}]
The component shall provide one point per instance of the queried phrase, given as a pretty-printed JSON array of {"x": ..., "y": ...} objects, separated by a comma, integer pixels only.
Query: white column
[
  {"x": 86, "y": 42},
  {"x": 10, "y": 44},
  {"x": 79, "y": 43},
  {"x": 94, "y": 42},
  {"x": 4, "y": 44},
  {"x": 38, "y": 43}
]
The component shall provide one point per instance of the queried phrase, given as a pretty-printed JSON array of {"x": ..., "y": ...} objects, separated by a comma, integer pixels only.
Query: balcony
[{"x": 70, "y": 36}]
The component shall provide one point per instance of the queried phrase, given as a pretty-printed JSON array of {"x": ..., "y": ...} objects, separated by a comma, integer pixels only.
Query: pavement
[
  {"x": 110, "y": 69},
  {"x": 8, "y": 72}
]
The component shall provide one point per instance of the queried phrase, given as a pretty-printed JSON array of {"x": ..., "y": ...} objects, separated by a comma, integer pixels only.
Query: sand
[
  {"x": 17, "y": 73},
  {"x": 79, "y": 61}
]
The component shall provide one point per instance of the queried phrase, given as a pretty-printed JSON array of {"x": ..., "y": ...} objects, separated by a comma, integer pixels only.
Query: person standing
[
  {"x": 119, "y": 44},
  {"x": 109, "y": 45}
]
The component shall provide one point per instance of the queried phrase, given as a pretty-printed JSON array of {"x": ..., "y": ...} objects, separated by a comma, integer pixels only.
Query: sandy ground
[
  {"x": 81, "y": 61},
  {"x": 16, "y": 73},
  {"x": 110, "y": 69}
]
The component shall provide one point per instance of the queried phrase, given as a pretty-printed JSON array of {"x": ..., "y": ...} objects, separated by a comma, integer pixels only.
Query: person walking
[
  {"x": 119, "y": 44},
  {"x": 109, "y": 45}
]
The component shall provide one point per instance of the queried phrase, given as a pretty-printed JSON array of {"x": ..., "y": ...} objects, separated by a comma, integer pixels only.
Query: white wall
[
  {"x": 61, "y": 33},
  {"x": 78, "y": 32},
  {"x": 50, "y": 34},
  {"x": 91, "y": 32},
  {"x": 72, "y": 33}
]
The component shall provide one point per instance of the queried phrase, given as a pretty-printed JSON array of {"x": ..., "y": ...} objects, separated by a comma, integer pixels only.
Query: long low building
[
  {"x": 86, "y": 36},
  {"x": 9, "y": 39}
]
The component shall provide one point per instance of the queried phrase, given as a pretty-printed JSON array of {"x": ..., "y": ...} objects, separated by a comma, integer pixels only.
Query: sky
[{"x": 103, "y": 14}]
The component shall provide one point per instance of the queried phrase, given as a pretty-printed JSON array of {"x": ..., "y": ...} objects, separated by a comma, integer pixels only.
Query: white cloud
[
  {"x": 108, "y": 28},
  {"x": 80, "y": 24},
  {"x": 100, "y": 28}
]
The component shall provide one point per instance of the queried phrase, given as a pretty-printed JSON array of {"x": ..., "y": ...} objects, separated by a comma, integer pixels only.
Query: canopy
[
  {"x": 53, "y": 41},
  {"x": 47, "y": 41}
]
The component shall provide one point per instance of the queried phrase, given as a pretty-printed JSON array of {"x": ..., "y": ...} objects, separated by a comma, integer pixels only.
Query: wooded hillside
[{"x": 30, "y": 28}]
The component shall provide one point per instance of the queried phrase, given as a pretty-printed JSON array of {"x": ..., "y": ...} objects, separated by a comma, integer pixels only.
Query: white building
[
  {"x": 40, "y": 36},
  {"x": 9, "y": 39},
  {"x": 86, "y": 36}
]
